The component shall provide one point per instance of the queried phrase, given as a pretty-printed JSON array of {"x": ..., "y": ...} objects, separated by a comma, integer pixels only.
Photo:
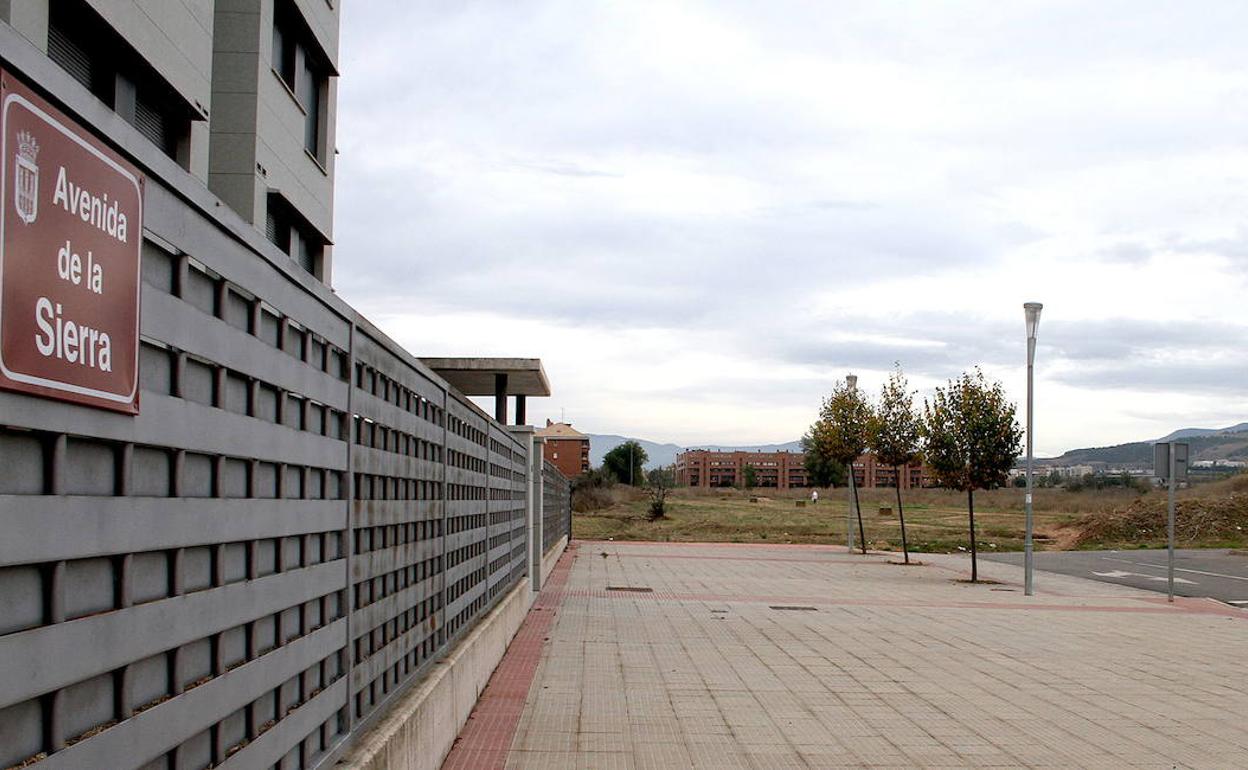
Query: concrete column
[
  {"x": 500, "y": 398},
  {"x": 538, "y": 509},
  {"x": 520, "y": 417}
]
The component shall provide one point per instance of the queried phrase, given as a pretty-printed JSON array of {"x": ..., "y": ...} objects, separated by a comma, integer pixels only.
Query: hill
[{"x": 1206, "y": 444}]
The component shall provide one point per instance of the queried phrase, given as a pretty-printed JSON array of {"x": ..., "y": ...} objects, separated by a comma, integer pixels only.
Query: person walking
[{"x": 814, "y": 496}]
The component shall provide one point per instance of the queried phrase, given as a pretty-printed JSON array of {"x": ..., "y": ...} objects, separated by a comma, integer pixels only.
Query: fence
[
  {"x": 556, "y": 506},
  {"x": 299, "y": 522}
]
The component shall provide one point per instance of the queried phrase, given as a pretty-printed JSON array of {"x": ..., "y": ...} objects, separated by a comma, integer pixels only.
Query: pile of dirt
[{"x": 1196, "y": 520}]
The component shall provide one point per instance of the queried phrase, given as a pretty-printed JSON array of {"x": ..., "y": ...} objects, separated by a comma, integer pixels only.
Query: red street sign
[{"x": 71, "y": 229}]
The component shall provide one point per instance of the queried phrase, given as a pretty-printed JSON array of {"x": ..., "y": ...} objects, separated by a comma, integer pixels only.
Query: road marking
[
  {"x": 1119, "y": 574},
  {"x": 1177, "y": 569}
]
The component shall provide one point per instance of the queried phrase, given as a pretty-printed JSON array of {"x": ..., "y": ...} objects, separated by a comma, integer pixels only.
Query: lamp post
[
  {"x": 851, "y": 381},
  {"x": 1032, "y": 312}
]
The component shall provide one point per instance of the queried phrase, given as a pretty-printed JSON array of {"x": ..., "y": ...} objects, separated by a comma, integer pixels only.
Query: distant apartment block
[
  {"x": 566, "y": 447},
  {"x": 870, "y": 473},
  {"x": 706, "y": 469}
]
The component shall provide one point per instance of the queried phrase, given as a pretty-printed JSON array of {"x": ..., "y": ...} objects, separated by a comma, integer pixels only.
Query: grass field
[{"x": 936, "y": 520}]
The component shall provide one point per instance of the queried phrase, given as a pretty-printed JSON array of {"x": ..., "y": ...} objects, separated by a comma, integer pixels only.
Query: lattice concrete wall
[
  {"x": 299, "y": 522},
  {"x": 556, "y": 506}
]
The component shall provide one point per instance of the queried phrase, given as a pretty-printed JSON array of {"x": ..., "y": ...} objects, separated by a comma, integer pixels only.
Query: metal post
[
  {"x": 851, "y": 382},
  {"x": 1170, "y": 528},
  {"x": 1031, "y": 312},
  {"x": 1028, "y": 557},
  {"x": 849, "y": 511}
]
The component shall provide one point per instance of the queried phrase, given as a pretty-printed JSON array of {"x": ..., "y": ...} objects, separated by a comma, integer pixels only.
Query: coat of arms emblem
[{"x": 26, "y": 178}]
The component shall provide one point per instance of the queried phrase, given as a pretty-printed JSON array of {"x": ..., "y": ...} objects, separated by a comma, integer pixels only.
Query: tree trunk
[
  {"x": 901, "y": 515},
  {"x": 862, "y": 537},
  {"x": 970, "y": 509}
]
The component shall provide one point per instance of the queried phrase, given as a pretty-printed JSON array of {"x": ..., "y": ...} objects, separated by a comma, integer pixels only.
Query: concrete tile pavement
[{"x": 724, "y": 664}]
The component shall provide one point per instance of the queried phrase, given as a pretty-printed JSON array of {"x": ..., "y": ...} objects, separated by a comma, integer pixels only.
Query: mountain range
[
  {"x": 1204, "y": 444},
  {"x": 1229, "y": 443}
]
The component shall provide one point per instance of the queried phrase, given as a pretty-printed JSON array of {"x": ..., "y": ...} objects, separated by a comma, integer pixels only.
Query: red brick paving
[{"x": 485, "y": 739}]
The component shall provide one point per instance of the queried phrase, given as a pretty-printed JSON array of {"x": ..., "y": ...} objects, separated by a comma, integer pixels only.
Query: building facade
[
  {"x": 240, "y": 94},
  {"x": 566, "y": 447},
  {"x": 706, "y": 469},
  {"x": 869, "y": 473}
]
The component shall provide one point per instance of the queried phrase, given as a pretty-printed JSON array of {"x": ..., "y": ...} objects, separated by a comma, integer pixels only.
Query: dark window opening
[
  {"x": 294, "y": 236},
  {"x": 284, "y": 48},
  {"x": 301, "y": 64}
]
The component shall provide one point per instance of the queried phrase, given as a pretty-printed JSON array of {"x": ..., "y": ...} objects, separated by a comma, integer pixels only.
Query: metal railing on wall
[{"x": 299, "y": 522}]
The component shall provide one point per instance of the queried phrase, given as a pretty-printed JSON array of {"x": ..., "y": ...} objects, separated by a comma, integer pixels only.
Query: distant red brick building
[
  {"x": 869, "y": 473},
  {"x": 566, "y": 447},
  {"x": 780, "y": 470},
  {"x": 704, "y": 468}
]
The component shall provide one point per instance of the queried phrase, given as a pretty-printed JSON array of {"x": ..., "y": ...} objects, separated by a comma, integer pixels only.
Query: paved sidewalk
[{"x": 724, "y": 665}]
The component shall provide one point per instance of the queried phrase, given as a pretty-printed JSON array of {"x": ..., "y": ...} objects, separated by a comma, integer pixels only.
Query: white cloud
[{"x": 700, "y": 214}]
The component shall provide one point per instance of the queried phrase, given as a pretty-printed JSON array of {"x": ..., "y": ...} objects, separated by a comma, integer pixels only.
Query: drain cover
[
  {"x": 633, "y": 589},
  {"x": 792, "y": 607}
]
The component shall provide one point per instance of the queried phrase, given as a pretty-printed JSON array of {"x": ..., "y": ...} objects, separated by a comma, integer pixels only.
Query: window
[
  {"x": 287, "y": 230},
  {"x": 311, "y": 91},
  {"x": 284, "y": 48},
  {"x": 304, "y": 69},
  {"x": 94, "y": 54}
]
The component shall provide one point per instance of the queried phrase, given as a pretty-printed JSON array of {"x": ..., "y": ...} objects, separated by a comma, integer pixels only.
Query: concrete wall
[
  {"x": 551, "y": 557},
  {"x": 419, "y": 731}
]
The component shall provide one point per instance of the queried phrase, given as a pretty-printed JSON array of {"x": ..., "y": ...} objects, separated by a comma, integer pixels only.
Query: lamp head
[
  {"x": 1032, "y": 311},
  {"x": 852, "y": 381}
]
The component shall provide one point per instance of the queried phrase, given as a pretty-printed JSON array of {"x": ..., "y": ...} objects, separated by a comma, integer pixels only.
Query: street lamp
[
  {"x": 1032, "y": 312},
  {"x": 851, "y": 381}
]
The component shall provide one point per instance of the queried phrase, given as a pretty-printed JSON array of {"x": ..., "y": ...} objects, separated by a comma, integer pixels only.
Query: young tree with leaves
[
  {"x": 971, "y": 440},
  {"x": 847, "y": 418},
  {"x": 749, "y": 476},
  {"x": 894, "y": 437},
  {"x": 659, "y": 482},
  {"x": 625, "y": 463},
  {"x": 822, "y": 469}
]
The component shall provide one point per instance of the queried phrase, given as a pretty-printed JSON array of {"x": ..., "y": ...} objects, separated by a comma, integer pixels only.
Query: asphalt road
[{"x": 1216, "y": 573}]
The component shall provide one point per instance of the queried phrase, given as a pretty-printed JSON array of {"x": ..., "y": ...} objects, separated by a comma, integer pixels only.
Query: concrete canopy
[{"x": 478, "y": 376}]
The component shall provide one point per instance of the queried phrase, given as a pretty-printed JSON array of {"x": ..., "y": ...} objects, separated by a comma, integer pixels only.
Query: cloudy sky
[{"x": 700, "y": 215}]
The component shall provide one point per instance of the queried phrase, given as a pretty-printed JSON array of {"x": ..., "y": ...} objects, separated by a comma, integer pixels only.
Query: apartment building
[
  {"x": 706, "y": 468},
  {"x": 566, "y": 447},
  {"x": 240, "y": 94},
  {"x": 870, "y": 473},
  {"x": 781, "y": 470}
]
